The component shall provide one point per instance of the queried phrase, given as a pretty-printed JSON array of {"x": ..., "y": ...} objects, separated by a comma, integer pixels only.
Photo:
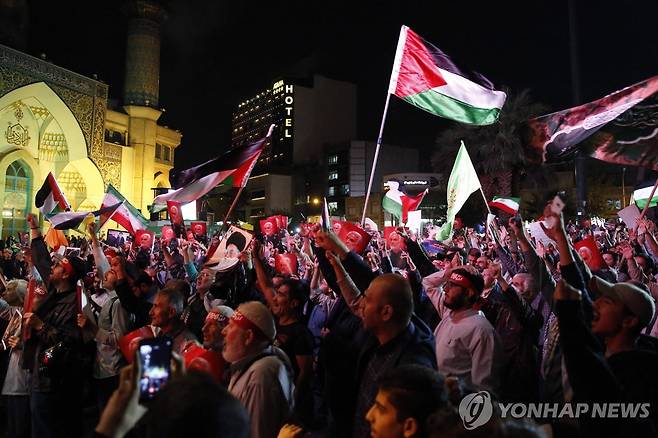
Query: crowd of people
[{"x": 381, "y": 340}]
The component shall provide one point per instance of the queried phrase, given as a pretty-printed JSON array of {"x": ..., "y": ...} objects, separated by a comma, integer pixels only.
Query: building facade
[
  {"x": 308, "y": 114},
  {"x": 347, "y": 168},
  {"x": 55, "y": 120}
]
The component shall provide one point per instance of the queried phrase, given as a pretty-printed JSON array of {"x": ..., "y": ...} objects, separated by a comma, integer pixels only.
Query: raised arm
[{"x": 263, "y": 281}]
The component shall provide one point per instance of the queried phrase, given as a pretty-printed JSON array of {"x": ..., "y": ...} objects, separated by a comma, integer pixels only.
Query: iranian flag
[
  {"x": 506, "y": 204},
  {"x": 125, "y": 215},
  {"x": 232, "y": 168},
  {"x": 399, "y": 204},
  {"x": 426, "y": 77}
]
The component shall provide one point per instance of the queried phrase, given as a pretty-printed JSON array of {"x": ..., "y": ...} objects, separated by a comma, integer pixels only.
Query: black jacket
[{"x": 59, "y": 315}]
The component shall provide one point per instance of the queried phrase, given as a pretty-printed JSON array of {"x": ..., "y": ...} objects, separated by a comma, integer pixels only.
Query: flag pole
[
  {"x": 374, "y": 161},
  {"x": 230, "y": 210},
  {"x": 391, "y": 89},
  {"x": 646, "y": 207},
  {"x": 485, "y": 199}
]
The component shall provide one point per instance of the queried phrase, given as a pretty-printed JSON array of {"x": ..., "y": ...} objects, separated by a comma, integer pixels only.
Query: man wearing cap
[
  {"x": 467, "y": 345},
  {"x": 56, "y": 384},
  {"x": 620, "y": 371},
  {"x": 261, "y": 375}
]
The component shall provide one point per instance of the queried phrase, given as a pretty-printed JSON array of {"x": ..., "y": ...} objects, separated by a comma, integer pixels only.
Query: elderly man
[
  {"x": 165, "y": 314},
  {"x": 261, "y": 375}
]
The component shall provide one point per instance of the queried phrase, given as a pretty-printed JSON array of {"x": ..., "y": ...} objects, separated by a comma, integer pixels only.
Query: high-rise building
[
  {"x": 308, "y": 114},
  {"x": 347, "y": 169}
]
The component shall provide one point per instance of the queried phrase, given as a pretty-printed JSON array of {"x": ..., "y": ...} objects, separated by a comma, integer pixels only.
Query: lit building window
[
  {"x": 345, "y": 189},
  {"x": 333, "y": 159},
  {"x": 332, "y": 206},
  {"x": 331, "y": 191},
  {"x": 333, "y": 175}
]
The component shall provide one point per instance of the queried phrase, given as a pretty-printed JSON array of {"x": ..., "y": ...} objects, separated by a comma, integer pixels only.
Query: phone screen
[{"x": 155, "y": 360}]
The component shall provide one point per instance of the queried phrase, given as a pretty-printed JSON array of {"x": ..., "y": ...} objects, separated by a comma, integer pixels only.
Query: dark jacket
[
  {"x": 594, "y": 380},
  {"x": 59, "y": 315},
  {"x": 520, "y": 376},
  {"x": 415, "y": 345},
  {"x": 135, "y": 305}
]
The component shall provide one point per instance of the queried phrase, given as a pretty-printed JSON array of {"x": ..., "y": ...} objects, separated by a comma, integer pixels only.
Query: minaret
[
  {"x": 141, "y": 98},
  {"x": 142, "y": 82}
]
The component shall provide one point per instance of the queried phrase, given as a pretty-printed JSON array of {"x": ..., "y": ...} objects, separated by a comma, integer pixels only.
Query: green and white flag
[{"x": 463, "y": 181}]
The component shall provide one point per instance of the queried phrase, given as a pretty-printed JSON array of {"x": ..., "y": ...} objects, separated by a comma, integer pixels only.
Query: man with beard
[
  {"x": 261, "y": 375},
  {"x": 467, "y": 345},
  {"x": 56, "y": 382}
]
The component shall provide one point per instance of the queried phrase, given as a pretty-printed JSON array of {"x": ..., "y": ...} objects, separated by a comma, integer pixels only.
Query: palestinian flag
[
  {"x": 643, "y": 192},
  {"x": 426, "y": 77},
  {"x": 620, "y": 128},
  {"x": 399, "y": 204},
  {"x": 508, "y": 205},
  {"x": 126, "y": 215},
  {"x": 71, "y": 219},
  {"x": 233, "y": 168},
  {"x": 50, "y": 196}
]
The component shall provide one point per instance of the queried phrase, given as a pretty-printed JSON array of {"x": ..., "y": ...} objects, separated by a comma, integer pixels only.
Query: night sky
[{"x": 215, "y": 53}]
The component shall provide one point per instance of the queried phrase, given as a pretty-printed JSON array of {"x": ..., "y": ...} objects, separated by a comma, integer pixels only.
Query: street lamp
[{"x": 316, "y": 201}]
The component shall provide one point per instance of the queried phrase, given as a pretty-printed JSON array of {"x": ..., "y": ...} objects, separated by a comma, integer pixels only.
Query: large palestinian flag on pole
[
  {"x": 125, "y": 215},
  {"x": 426, "y": 77},
  {"x": 72, "y": 219},
  {"x": 620, "y": 128},
  {"x": 233, "y": 168}
]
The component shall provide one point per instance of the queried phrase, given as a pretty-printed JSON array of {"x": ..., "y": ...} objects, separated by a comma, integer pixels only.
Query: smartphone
[{"x": 154, "y": 357}]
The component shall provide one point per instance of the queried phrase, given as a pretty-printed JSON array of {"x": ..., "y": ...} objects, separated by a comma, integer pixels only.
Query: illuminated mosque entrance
[{"x": 39, "y": 134}]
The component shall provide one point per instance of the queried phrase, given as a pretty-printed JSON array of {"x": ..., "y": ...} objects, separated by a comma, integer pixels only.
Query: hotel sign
[{"x": 288, "y": 104}]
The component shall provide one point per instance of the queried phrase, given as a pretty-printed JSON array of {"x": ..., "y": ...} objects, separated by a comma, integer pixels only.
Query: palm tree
[{"x": 496, "y": 150}]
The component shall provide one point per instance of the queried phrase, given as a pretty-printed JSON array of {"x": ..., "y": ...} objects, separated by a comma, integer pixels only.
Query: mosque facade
[{"x": 55, "y": 120}]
